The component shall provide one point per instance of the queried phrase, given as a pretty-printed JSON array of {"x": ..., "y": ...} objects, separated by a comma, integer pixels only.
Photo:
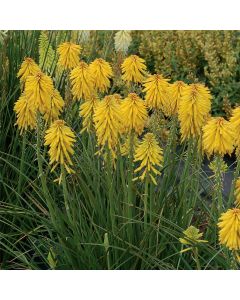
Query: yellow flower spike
[
  {"x": 134, "y": 113},
  {"x": 229, "y": 229},
  {"x": 87, "y": 110},
  {"x": 39, "y": 90},
  {"x": 218, "y": 137},
  {"x": 194, "y": 107},
  {"x": 60, "y": 139},
  {"x": 150, "y": 154},
  {"x": 155, "y": 87},
  {"x": 81, "y": 81},
  {"x": 237, "y": 192},
  {"x": 69, "y": 55},
  {"x": 26, "y": 114},
  {"x": 56, "y": 107},
  {"x": 101, "y": 72},
  {"x": 108, "y": 122},
  {"x": 175, "y": 91},
  {"x": 235, "y": 121},
  {"x": 133, "y": 69},
  {"x": 118, "y": 98},
  {"x": 28, "y": 68}
]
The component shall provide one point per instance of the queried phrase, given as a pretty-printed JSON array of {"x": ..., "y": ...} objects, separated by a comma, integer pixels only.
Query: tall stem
[
  {"x": 65, "y": 193},
  {"x": 195, "y": 253},
  {"x": 130, "y": 184},
  {"x": 219, "y": 185},
  {"x": 110, "y": 190},
  {"x": 22, "y": 164},
  {"x": 170, "y": 151},
  {"x": 145, "y": 201},
  {"x": 40, "y": 169},
  {"x": 195, "y": 178},
  {"x": 217, "y": 201}
]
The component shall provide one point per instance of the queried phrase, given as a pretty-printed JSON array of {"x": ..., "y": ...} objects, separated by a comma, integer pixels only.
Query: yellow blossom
[
  {"x": 175, "y": 91},
  {"x": 28, "y": 68},
  {"x": 194, "y": 108},
  {"x": 107, "y": 120},
  {"x": 101, "y": 72},
  {"x": 134, "y": 113},
  {"x": 26, "y": 114},
  {"x": 68, "y": 55},
  {"x": 218, "y": 137},
  {"x": 118, "y": 98},
  {"x": 155, "y": 87},
  {"x": 229, "y": 229},
  {"x": 60, "y": 138},
  {"x": 39, "y": 90},
  {"x": 237, "y": 192},
  {"x": 82, "y": 81},
  {"x": 56, "y": 107},
  {"x": 87, "y": 110},
  {"x": 235, "y": 121},
  {"x": 150, "y": 154},
  {"x": 133, "y": 69}
]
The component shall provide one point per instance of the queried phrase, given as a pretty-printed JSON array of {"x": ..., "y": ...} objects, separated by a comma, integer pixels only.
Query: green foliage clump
[{"x": 211, "y": 57}]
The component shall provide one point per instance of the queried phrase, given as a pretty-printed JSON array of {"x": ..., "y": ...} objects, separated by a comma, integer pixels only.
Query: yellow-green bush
[{"x": 211, "y": 57}]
